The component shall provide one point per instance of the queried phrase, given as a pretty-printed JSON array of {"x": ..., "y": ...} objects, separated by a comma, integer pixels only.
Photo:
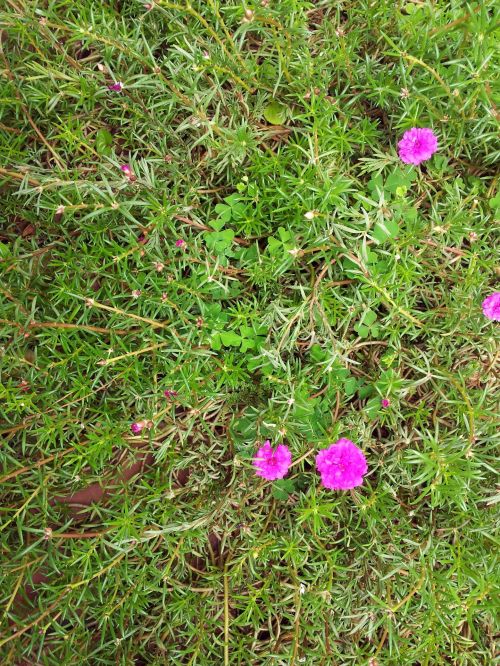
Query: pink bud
[
  {"x": 137, "y": 427},
  {"x": 180, "y": 243},
  {"x": 126, "y": 170},
  {"x": 116, "y": 87},
  {"x": 385, "y": 402}
]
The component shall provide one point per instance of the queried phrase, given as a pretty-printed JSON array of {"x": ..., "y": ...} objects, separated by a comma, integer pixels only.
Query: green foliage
[
  {"x": 318, "y": 276},
  {"x": 275, "y": 113}
]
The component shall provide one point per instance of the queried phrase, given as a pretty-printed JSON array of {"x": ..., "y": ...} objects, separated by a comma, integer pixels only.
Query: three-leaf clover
[{"x": 367, "y": 326}]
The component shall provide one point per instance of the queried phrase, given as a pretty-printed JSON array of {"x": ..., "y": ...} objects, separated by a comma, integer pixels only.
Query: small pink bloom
[
  {"x": 126, "y": 170},
  {"x": 136, "y": 293},
  {"x": 116, "y": 87},
  {"x": 417, "y": 145},
  {"x": 272, "y": 464},
  {"x": 491, "y": 306},
  {"x": 169, "y": 394},
  {"x": 180, "y": 243},
  {"x": 385, "y": 402},
  {"x": 164, "y": 297},
  {"x": 137, "y": 427},
  {"x": 342, "y": 465}
]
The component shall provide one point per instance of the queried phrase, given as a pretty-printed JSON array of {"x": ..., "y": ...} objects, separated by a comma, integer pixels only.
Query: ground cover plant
[{"x": 211, "y": 237}]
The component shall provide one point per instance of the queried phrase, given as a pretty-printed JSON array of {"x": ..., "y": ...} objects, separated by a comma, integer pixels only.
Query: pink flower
[
  {"x": 137, "y": 427},
  {"x": 385, "y": 402},
  {"x": 491, "y": 306},
  {"x": 116, "y": 87},
  {"x": 341, "y": 465},
  {"x": 140, "y": 425},
  {"x": 126, "y": 170},
  {"x": 169, "y": 394},
  {"x": 180, "y": 243},
  {"x": 417, "y": 145},
  {"x": 272, "y": 465}
]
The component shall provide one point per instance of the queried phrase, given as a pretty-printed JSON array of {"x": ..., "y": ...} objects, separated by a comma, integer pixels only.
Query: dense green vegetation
[{"x": 268, "y": 259}]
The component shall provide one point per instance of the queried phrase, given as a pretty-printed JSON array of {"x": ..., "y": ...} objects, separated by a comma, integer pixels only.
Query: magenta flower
[
  {"x": 169, "y": 394},
  {"x": 491, "y": 306},
  {"x": 126, "y": 170},
  {"x": 137, "y": 427},
  {"x": 140, "y": 425},
  {"x": 116, "y": 87},
  {"x": 385, "y": 402},
  {"x": 272, "y": 464},
  {"x": 341, "y": 465},
  {"x": 180, "y": 243},
  {"x": 417, "y": 145}
]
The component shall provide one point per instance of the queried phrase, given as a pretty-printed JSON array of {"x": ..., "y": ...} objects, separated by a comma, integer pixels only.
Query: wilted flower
[
  {"x": 491, "y": 306},
  {"x": 342, "y": 465},
  {"x": 417, "y": 145},
  {"x": 140, "y": 425},
  {"x": 137, "y": 427},
  {"x": 272, "y": 464}
]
